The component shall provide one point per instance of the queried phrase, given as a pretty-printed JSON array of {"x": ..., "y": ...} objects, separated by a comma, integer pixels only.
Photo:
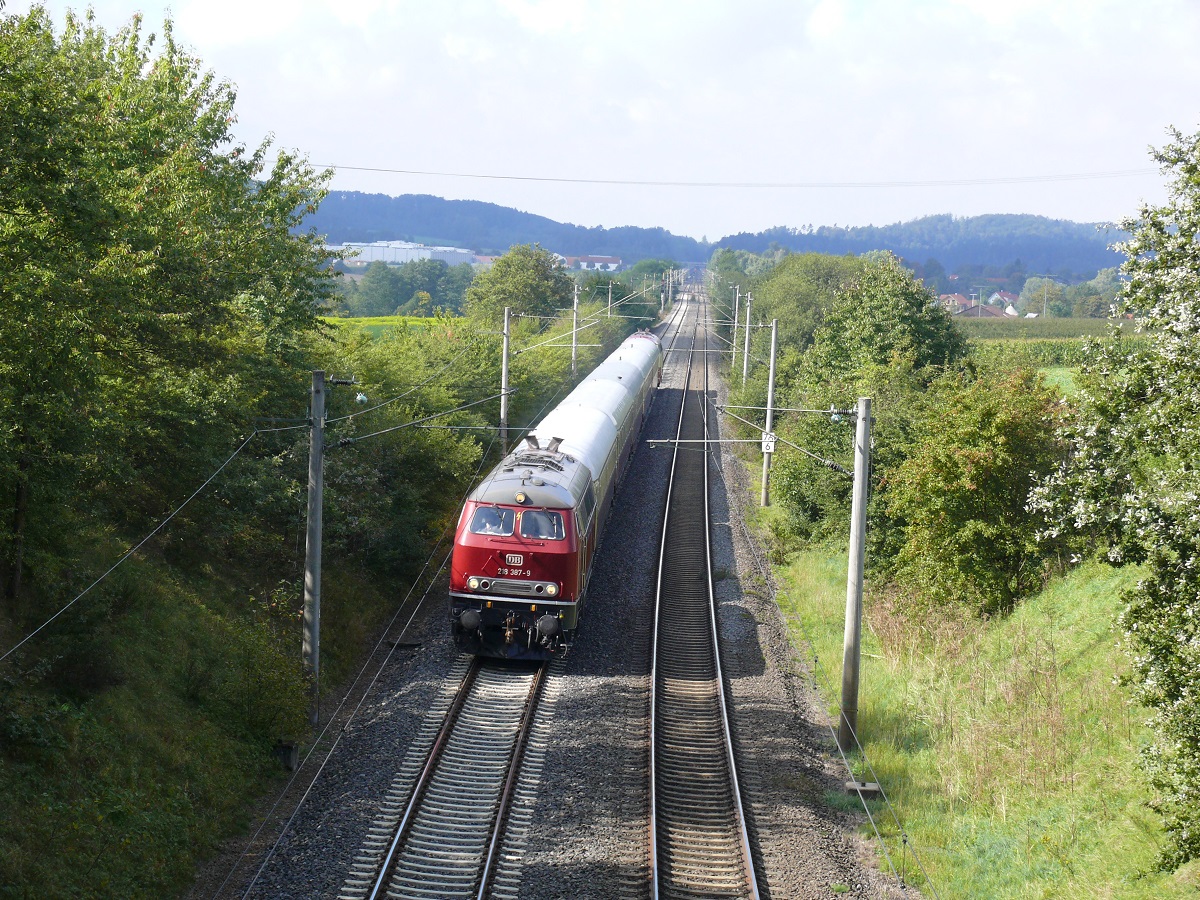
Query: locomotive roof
[{"x": 548, "y": 478}]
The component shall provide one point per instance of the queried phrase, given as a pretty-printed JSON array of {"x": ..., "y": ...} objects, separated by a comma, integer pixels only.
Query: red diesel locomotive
[{"x": 527, "y": 534}]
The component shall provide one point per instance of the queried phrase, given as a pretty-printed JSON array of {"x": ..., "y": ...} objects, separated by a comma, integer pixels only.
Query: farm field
[{"x": 377, "y": 325}]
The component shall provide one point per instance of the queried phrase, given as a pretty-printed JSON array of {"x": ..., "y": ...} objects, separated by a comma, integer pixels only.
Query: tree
[
  {"x": 882, "y": 314},
  {"x": 800, "y": 290},
  {"x": 527, "y": 278},
  {"x": 379, "y": 291},
  {"x": 152, "y": 271},
  {"x": 1044, "y": 296},
  {"x": 1095, "y": 299},
  {"x": 960, "y": 495},
  {"x": 452, "y": 287},
  {"x": 1130, "y": 484}
]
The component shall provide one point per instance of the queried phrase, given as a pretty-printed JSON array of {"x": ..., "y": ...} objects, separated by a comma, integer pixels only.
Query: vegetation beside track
[{"x": 1007, "y": 751}]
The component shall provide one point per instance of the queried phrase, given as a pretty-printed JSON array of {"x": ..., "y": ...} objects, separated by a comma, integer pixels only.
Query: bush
[{"x": 960, "y": 495}]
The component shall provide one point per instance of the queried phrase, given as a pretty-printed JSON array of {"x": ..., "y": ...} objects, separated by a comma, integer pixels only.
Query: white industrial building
[{"x": 397, "y": 252}]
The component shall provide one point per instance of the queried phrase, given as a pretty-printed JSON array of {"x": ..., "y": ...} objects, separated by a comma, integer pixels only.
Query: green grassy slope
[{"x": 1008, "y": 747}]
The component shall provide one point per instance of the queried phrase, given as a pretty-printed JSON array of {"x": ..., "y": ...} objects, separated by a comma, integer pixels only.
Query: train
[{"x": 527, "y": 535}]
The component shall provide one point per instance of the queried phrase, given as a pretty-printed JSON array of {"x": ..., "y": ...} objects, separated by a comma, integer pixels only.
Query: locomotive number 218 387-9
[{"x": 526, "y": 572}]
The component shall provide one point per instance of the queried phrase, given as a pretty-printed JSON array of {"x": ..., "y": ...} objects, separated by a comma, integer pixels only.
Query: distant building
[
  {"x": 600, "y": 263},
  {"x": 954, "y": 302},
  {"x": 591, "y": 263},
  {"x": 397, "y": 252},
  {"x": 981, "y": 311},
  {"x": 1003, "y": 298}
]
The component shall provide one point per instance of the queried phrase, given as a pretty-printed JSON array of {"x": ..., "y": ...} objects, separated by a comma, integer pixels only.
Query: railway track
[
  {"x": 439, "y": 832},
  {"x": 699, "y": 840}
]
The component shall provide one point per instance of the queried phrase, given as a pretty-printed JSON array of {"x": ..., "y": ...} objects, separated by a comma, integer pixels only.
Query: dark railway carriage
[{"x": 526, "y": 536}]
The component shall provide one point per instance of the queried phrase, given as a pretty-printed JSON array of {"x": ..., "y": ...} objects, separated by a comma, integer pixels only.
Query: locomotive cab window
[
  {"x": 493, "y": 520},
  {"x": 589, "y": 502},
  {"x": 542, "y": 525}
]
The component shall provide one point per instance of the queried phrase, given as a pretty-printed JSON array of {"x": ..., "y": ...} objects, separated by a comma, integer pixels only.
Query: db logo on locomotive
[{"x": 514, "y": 559}]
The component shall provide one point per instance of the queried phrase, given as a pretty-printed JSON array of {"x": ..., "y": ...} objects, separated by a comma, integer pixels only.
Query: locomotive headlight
[
  {"x": 551, "y": 590},
  {"x": 473, "y": 583}
]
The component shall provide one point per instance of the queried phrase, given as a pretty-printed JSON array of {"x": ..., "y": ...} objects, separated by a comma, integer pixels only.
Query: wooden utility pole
[
  {"x": 504, "y": 386},
  {"x": 312, "y": 545},
  {"x": 768, "y": 435},
  {"x": 852, "y": 646}
]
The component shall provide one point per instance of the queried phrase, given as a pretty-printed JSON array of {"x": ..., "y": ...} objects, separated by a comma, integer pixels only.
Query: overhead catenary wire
[
  {"x": 136, "y": 547},
  {"x": 769, "y": 185},
  {"x": 342, "y": 442},
  {"x": 369, "y": 409},
  {"x": 827, "y": 463}
]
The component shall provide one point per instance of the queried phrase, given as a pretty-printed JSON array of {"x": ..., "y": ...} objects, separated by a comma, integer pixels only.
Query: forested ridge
[{"x": 1040, "y": 243}]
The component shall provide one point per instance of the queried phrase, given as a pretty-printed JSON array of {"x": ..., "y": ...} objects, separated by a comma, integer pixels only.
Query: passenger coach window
[
  {"x": 542, "y": 525},
  {"x": 493, "y": 520}
]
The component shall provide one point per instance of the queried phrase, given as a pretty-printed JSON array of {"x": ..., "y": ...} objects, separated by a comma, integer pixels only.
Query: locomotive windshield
[
  {"x": 542, "y": 525},
  {"x": 493, "y": 520}
]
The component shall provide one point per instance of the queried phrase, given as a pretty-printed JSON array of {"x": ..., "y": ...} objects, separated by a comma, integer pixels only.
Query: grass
[
  {"x": 1062, "y": 377},
  {"x": 1006, "y": 747},
  {"x": 376, "y": 326},
  {"x": 132, "y": 757}
]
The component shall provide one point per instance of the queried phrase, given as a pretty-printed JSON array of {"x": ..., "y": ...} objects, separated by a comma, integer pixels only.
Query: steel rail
[
  {"x": 443, "y": 805},
  {"x": 662, "y": 554},
  {"x": 726, "y": 724},
  {"x": 510, "y": 783},
  {"x": 699, "y": 839},
  {"x": 423, "y": 779}
]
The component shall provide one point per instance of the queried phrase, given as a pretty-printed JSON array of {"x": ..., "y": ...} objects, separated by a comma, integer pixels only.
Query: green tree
[
  {"x": 527, "y": 278},
  {"x": 1044, "y": 296},
  {"x": 380, "y": 291},
  {"x": 959, "y": 497},
  {"x": 421, "y": 304},
  {"x": 1129, "y": 483},
  {"x": 800, "y": 289},
  {"x": 452, "y": 287},
  {"x": 884, "y": 314},
  {"x": 152, "y": 271}
]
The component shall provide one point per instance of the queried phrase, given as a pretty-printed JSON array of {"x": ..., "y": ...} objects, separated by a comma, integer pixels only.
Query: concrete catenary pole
[
  {"x": 574, "y": 332},
  {"x": 766, "y": 478},
  {"x": 610, "y": 298},
  {"x": 737, "y": 301},
  {"x": 746, "y": 349},
  {"x": 504, "y": 385},
  {"x": 852, "y": 650},
  {"x": 312, "y": 546}
]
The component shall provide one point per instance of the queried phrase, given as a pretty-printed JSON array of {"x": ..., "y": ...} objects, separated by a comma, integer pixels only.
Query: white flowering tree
[{"x": 1130, "y": 487}]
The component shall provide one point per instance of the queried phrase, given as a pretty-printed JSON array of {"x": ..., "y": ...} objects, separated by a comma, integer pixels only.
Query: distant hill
[
  {"x": 1043, "y": 245},
  {"x": 487, "y": 228}
]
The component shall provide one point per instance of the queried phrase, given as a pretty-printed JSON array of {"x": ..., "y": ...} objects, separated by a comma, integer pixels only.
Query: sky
[{"x": 760, "y": 113}]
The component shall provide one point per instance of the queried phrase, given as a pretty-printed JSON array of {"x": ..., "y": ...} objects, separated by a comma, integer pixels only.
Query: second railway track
[{"x": 700, "y": 844}]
